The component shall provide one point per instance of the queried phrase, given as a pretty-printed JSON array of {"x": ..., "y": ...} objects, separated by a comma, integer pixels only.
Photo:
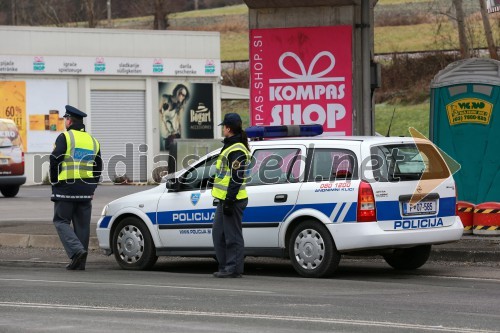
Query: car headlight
[{"x": 104, "y": 210}]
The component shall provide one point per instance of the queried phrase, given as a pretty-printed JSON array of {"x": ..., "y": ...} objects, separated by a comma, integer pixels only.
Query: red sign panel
[{"x": 302, "y": 76}]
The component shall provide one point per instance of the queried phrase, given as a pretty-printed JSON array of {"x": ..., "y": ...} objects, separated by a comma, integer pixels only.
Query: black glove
[{"x": 228, "y": 207}]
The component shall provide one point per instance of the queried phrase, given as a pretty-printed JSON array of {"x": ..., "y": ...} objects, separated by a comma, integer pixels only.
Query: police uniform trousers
[
  {"x": 227, "y": 235},
  {"x": 79, "y": 212}
]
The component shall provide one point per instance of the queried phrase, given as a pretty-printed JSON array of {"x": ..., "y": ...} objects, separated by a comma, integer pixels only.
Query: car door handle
[
  {"x": 280, "y": 197},
  {"x": 215, "y": 202}
]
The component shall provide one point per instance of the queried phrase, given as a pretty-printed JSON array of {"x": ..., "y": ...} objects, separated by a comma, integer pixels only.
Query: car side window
[
  {"x": 199, "y": 177},
  {"x": 332, "y": 164},
  {"x": 274, "y": 166}
]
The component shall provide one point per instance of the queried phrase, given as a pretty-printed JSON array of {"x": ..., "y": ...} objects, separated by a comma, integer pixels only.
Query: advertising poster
[
  {"x": 13, "y": 106},
  {"x": 45, "y": 101},
  {"x": 185, "y": 111},
  {"x": 302, "y": 76}
]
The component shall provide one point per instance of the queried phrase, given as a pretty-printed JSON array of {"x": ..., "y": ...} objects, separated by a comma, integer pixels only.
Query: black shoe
[
  {"x": 81, "y": 267},
  {"x": 76, "y": 262},
  {"x": 227, "y": 275}
]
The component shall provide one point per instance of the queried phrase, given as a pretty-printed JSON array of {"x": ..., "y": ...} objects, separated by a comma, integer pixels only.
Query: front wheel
[
  {"x": 133, "y": 246},
  {"x": 9, "y": 191},
  {"x": 411, "y": 258},
  {"x": 312, "y": 250}
]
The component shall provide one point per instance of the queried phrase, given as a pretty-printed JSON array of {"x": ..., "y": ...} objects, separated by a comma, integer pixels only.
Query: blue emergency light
[{"x": 261, "y": 132}]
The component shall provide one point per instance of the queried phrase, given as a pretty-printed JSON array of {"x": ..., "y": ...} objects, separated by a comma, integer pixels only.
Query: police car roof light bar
[{"x": 261, "y": 132}]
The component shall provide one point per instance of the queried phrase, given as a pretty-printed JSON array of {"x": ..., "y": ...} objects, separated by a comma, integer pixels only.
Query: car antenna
[{"x": 392, "y": 118}]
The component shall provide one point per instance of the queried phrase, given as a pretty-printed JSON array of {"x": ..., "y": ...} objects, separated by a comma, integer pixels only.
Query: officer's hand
[{"x": 228, "y": 207}]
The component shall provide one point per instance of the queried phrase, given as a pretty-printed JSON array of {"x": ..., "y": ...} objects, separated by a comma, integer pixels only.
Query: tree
[
  {"x": 462, "y": 37},
  {"x": 91, "y": 16},
  {"x": 487, "y": 31},
  {"x": 160, "y": 15}
]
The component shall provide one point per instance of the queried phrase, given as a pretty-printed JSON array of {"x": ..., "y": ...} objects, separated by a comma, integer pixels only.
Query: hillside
[{"x": 400, "y": 26}]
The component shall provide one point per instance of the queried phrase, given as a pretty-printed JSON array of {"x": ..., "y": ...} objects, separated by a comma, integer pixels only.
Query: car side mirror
[{"x": 172, "y": 184}]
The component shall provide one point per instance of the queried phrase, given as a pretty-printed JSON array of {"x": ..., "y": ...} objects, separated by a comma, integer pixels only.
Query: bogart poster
[
  {"x": 185, "y": 111},
  {"x": 302, "y": 76}
]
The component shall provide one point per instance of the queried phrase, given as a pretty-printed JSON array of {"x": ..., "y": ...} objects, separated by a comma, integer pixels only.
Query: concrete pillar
[{"x": 265, "y": 14}]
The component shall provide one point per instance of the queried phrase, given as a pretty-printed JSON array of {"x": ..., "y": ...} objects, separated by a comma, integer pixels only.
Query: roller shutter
[{"x": 118, "y": 121}]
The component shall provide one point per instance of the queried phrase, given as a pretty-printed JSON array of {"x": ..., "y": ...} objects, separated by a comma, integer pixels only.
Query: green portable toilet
[{"x": 465, "y": 123}]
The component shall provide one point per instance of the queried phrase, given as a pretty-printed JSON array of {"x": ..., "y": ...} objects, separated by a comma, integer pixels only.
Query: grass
[
  {"x": 406, "y": 116},
  {"x": 388, "y": 39},
  {"x": 240, "y": 107},
  {"x": 421, "y": 37},
  {"x": 234, "y": 46},
  {"x": 229, "y": 10}
]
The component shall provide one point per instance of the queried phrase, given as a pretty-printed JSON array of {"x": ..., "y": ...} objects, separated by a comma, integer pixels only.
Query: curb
[
  {"x": 38, "y": 241},
  {"x": 464, "y": 255}
]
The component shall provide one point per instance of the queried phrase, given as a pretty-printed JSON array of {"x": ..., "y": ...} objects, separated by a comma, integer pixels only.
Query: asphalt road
[{"x": 180, "y": 295}]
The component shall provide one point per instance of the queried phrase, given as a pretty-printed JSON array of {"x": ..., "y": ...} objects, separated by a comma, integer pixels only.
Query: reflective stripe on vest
[
  {"x": 223, "y": 173},
  {"x": 81, "y": 151}
]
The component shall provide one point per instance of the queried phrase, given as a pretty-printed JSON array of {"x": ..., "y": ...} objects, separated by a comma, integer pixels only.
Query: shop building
[{"x": 125, "y": 80}]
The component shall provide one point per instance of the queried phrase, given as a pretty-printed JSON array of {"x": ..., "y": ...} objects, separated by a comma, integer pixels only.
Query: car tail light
[
  {"x": 22, "y": 161},
  {"x": 366, "y": 203}
]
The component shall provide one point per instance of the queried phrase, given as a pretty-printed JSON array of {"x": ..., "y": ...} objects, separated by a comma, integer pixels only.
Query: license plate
[
  {"x": 421, "y": 208},
  {"x": 4, "y": 161}
]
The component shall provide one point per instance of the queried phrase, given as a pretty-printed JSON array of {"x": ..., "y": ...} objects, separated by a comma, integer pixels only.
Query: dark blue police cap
[
  {"x": 231, "y": 119},
  {"x": 71, "y": 111}
]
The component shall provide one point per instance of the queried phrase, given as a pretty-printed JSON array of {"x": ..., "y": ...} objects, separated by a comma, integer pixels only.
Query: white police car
[{"x": 311, "y": 199}]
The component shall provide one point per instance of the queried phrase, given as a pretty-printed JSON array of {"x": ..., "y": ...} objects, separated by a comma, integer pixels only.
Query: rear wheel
[
  {"x": 411, "y": 258},
  {"x": 312, "y": 250},
  {"x": 9, "y": 191},
  {"x": 133, "y": 246}
]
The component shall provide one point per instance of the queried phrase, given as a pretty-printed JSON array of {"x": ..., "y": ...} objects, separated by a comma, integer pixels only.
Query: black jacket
[
  {"x": 71, "y": 190},
  {"x": 237, "y": 169}
]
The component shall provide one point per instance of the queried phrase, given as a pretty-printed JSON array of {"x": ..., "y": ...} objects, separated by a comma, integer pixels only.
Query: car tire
[
  {"x": 133, "y": 246},
  {"x": 410, "y": 258},
  {"x": 9, "y": 191},
  {"x": 312, "y": 250}
]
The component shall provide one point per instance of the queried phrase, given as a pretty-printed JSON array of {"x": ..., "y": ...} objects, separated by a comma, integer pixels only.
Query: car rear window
[{"x": 407, "y": 162}]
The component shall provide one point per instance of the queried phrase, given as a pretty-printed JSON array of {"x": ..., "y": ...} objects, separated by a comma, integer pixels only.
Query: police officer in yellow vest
[
  {"x": 229, "y": 188},
  {"x": 75, "y": 168}
]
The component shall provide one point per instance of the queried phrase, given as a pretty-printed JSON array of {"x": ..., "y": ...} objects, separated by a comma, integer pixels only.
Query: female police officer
[{"x": 229, "y": 188}]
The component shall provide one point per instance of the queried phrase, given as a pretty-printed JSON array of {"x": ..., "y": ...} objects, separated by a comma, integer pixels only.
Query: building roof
[{"x": 474, "y": 70}]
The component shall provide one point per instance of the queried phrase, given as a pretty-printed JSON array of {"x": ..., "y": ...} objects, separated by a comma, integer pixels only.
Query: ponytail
[{"x": 244, "y": 139}]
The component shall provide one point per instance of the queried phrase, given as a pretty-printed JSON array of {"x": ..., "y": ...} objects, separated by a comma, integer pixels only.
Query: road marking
[
  {"x": 245, "y": 316},
  {"x": 461, "y": 278},
  {"x": 141, "y": 285}
]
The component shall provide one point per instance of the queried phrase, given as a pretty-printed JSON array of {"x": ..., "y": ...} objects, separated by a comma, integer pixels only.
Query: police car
[{"x": 311, "y": 199}]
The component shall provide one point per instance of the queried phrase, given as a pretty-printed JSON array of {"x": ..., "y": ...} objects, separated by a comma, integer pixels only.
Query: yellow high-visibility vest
[
  {"x": 81, "y": 151},
  {"x": 223, "y": 173}
]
